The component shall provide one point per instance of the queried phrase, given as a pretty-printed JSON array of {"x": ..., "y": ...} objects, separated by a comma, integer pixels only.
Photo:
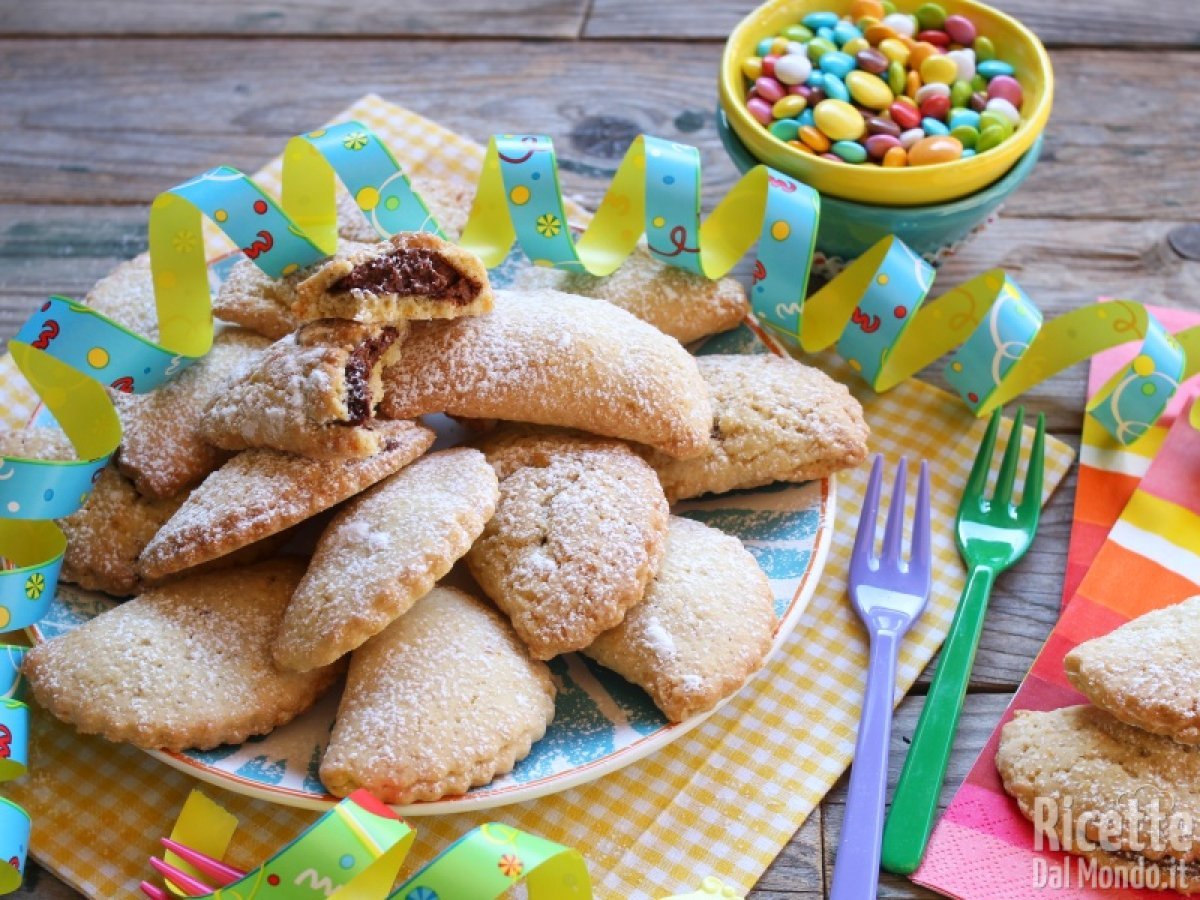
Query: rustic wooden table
[{"x": 105, "y": 104}]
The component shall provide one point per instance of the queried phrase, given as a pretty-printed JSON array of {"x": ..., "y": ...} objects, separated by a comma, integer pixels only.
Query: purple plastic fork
[{"x": 889, "y": 595}]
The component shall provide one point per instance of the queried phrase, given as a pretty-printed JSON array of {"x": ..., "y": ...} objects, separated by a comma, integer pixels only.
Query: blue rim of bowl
[{"x": 744, "y": 160}]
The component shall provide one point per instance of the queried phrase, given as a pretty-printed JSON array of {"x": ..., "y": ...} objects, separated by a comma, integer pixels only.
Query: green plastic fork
[{"x": 992, "y": 535}]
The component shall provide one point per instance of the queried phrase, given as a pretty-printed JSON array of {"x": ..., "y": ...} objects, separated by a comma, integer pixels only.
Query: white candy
[
  {"x": 965, "y": 60},
  {"x": 797, "y": 47},
  {"x": 1006, "y": 109},
  {"x": 901, "y": 24},
  {"x": 910, "y": 137},
  {"x": 933, "y": 89},
  {"x": 793, "y": 68}
]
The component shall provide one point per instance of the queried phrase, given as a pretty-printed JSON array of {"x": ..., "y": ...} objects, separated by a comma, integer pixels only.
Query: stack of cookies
[
  {"x": 279, "y": 521},
  {"x": 1119, "y": 781}
]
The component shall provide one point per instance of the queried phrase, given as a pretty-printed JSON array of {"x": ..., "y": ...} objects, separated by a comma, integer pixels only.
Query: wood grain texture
[
  {"x": 1062, "y": 23},
  {"x": 321, "y": 18},
  {"x": 93, "y": 121}
]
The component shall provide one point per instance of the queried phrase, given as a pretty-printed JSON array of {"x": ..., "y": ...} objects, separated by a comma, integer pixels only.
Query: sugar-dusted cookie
[
  {"x": 579, "y": 531},
  {"x": 445, "y": 699},
  {"x": 680, "y": 303},
  {"x": 259, "y": 493},
  {"x": 1145, "y": 672},
  {"x": 412, "y": 275},
  {"x": 1084, "y": 766},
  {"x": 774, "y": 419},
  {"x": 449, "y": 202},
  {"x": 383, "y": 552},
  {"x": 162, "y": 451},
  {"x": 183, "y": 665},
  {"x": 253, "y": 299},
  {"x": 312, "y": 392},
  {"x": 555, "y": 359},
  {"x": 126, "y": 295},
  {"x": 704, "y": 627}
]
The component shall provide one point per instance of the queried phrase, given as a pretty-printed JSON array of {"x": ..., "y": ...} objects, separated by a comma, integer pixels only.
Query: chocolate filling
[
  {"x": 358, "y": 373},
  {"x": 409, "y": 272}
]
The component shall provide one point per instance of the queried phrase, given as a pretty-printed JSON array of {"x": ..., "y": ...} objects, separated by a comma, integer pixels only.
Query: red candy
[
  {"x": 904, "y": 115},
  {"x": 768, "y": 66},
  {"x": 935, "y": 107},
  {"x": 932, "y": 36}
]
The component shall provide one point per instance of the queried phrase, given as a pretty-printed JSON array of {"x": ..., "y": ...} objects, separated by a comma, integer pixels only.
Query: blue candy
[
  {"x": 764, "y": 47},
  {"x": 990, "y": 68},
  {"x": 850, "y": 151},
  {"x": 826, "y": 33},
  {"x": 818, "y": 20},
  {"x": 835, "y": 88},
  {"x": 845, "y": 31},
  {"x": 967, "y": 153},
  {"x": 837, "y": 63},
  {"x": 933, "y": 126},
  {"x": 964, "y": 117},
  {"x": 807, "y": 118},
  {"x": 816, "y": 79}
]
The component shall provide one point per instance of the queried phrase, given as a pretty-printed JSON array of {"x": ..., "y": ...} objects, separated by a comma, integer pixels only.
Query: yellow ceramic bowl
[{"x": 913, "y": 186}]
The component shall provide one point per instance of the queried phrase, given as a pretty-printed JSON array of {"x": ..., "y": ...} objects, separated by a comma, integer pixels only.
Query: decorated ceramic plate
[{"x": 601, "y": 722}]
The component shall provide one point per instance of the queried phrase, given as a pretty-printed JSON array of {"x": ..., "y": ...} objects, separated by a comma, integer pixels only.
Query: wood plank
[
  {"x": 1100, "y": 160},
  {"x": 376, "y": 18},
  {"x": 980, "y": 715},
  {"x": 1063, "y": 23}
]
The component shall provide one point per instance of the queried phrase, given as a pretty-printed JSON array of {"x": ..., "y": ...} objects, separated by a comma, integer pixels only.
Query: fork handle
[
  {"x": 856, "y": 870},
  {"x": 914, "y": 804}
]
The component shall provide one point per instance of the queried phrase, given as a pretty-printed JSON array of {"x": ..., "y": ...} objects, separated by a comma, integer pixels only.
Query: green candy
[
  {"x": 785, "y": 129},
  {"x": 967, "y": 136},
  {"x": 931, "y": 16},
  {"x": 960, "y": 93},
  {"x": 888, "y": 7},
  {"x": 984, "y": 49},
  {"x": 989, "y": 138},
  {"x": 818, "y": 47},
  {"x": 799, "y": 33},
  {"x": 896, "y": 76},
  {"x": 991, "y": 119},
  {"x": 979, "y": 83}
]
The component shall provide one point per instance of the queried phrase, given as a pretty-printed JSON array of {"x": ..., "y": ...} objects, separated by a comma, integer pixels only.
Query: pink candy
[
  {"x": 761, "y": 110},
  {"x": 961, "y": 30},
  {"x": 770, "y": 89},
  {"x": 879, "y": 144},
  {"x": 1005, "y": 87}
]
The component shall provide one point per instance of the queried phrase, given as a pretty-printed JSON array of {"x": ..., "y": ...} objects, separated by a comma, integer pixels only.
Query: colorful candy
[{"x": 884, "y": 87}]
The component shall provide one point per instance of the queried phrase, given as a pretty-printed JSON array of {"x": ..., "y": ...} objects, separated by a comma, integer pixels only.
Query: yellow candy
[
  {"x": 839, "y": 121},
  {"x": 938, "y": 148},
  {"x": 894, "y": 49},
  {"x": 939, "y": 70},
  {"x": 895, "y": 158},
  {"x": 912, "y": 84},
  {"x": 868, "y": 90},
  {"x": 789, "y": 106},
  {"x": 853, "y": 45},
  {"x": 779, "y": 46},
  {"x": 752, "y": 67}
]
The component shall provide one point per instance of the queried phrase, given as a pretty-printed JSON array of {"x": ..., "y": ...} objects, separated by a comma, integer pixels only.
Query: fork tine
[
  {"x": 1008, "y": 466},
  {"x": 893, "y": 533},
  {"x": 153, "y": 891},
  {"x": 977, "y": 480},
  {"x": 920, "y": 557},
  {"x": 191, "y": 886},
  {"x": 210, "y": 868},
  {"x": 864, "y": 538},
  {"x": 1031, "y": 494}
]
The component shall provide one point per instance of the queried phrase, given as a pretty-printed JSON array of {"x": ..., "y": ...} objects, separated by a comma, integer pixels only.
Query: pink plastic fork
[{"x": 220, "y": 873}]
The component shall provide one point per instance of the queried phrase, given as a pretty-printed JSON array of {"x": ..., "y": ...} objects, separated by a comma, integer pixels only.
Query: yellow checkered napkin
[{"x": 721, "y": 801}]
